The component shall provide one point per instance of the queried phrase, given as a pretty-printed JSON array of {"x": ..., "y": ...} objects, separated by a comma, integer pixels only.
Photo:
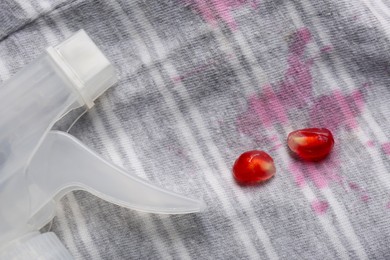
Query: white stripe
[
  {"x": 59, "y": 209},
  {"x": 45, "y": 5},
  {"x": 4, "y": 72},
  {"x": 345, "y": 224},
  {"x": 376, "y": 159},
  {"x": 366, "y": 114},
  {"x": 379, "y": 134},
  {"x": 27, "y": 7},
  {"x": 197, "y": 153},
  {"x": 114, "y": 156},
  {"x": 48, "y": 34},
  {"x": 74, "y": 206},
  {"x": 385, "y": 24},
  {"x": 66, "y": 232},
  {"x": 262, "y": 79},
  {"x": 258, "y": 72},
  {"x": 125, "y": 141},
  {"x": 90, "y": 246},
  {"x": 108, "y": 145},
  {"x": 374, "y": 155},
  {"x": 327, "y": 225},
  {"x": 340, "y": 213},
  {"x": 385, "y": 9}
]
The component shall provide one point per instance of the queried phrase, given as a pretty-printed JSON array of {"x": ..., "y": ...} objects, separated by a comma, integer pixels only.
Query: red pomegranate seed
[
  {"x": 253, "y": 167},
  {"x": 311, "y": 144}
]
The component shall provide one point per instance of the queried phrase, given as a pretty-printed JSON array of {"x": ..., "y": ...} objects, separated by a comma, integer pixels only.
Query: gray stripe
[
  {"x": 231, "y": 160},
  {"x": 149, "y": 47}
]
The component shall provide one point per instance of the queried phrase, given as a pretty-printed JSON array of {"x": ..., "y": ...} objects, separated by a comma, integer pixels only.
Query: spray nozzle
[
  {"x": 38, "y": 166},
  {"x": 85, "y": 66}
]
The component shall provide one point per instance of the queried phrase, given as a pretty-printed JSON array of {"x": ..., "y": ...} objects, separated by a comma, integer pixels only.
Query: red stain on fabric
[
  {"x": 320, "y": 207},
  {"x": 299, "y": 176},
  {"x": 362, "y": 193},
  {"x": 386, "y": 148},
  {"x": 319, "y": 179},
  {"x": 326, "y": 49},
  {"x": 293, "y": 93},
  {"x": 336, "y": 109},
  {"x": 296, "y": 87},
  {"x": 202, "y": 7},
  {"x": 276, "y": 147},
  {"x": 275, "y": 106},
  {"x": 294, "y": 90},
  {"x": 354, "y": 186},
  {"x": 365, "y": 198},
  {"x": 213, "y": 10},
  {"x": 321, "y": 175},
  {"x": 272, "y": 105}
]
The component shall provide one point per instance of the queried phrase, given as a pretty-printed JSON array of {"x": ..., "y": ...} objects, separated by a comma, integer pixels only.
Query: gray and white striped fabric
[{"x": 202, "y": 81}]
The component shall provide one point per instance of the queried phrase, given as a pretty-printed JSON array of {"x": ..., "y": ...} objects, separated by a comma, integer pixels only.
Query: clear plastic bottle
[{"x": 38, "y": 166}]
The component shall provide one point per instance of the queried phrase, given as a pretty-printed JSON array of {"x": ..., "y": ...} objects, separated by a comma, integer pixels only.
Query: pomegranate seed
[
  {"x": 311, "y": 144},
  {"x": 253, "y": 167}
]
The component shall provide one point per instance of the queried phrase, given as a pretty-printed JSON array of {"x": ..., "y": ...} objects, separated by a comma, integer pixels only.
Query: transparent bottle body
[
  {"x": 38, "y": 166},
  {"x": 30, "y": 103}
]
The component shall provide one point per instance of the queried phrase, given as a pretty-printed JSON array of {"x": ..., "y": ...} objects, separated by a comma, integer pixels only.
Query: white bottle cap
[{"x": 84, "y": 65}]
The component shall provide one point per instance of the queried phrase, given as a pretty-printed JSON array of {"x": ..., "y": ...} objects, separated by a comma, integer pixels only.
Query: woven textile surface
[{"x": 202, "y": 81}]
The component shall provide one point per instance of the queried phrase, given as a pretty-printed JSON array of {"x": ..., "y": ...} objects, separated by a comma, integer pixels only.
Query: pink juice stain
[
  {"x": 326, "y": 49},
  {"x": 294, "y": 90},
  {"x": 320, "y": 207},
  {"x": 337, "y": 109},
  {"x": 386, "y": 148},
  {"x": 202, "y": 7},
  {"x": 362, "y": 193},
  {"x": 354, "y": 186},
  {"x": 296, "y": 87},
  {"x": 212, "y": 10},
  {"x": 298, "y": 175},
  {"x": 320, "y": 174},
  {"x": 365, "y": 198}
]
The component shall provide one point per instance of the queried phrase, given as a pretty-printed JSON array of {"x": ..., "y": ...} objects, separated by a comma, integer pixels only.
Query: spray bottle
[{"x": 39, "y": 166}]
